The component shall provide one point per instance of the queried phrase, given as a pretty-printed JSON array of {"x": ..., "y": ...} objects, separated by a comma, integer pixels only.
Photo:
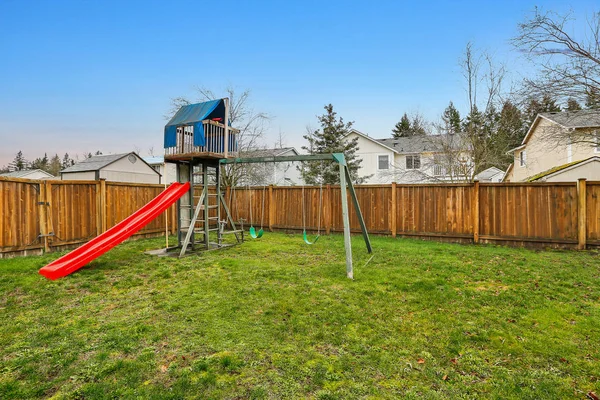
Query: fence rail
[{"x": 40, "y": 216}]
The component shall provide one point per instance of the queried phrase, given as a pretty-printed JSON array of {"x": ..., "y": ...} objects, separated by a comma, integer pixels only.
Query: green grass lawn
[{"x": 275, "y": 318}]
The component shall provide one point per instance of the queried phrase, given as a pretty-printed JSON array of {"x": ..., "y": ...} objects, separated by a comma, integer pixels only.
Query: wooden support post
[
  {"x": 190, "y": 233},
  {"x": 206, "y": 204},
  {"x": 49, "y": 223},
  {"x": 581, "y": 214},
  {"x": 226, "y": 128},
  {"x": 393, "y": 212},
  {"x": 346, "y": 220},
  {"x": 43, "y": 215},
  {"x": 103, "y": 205},
  {"x": 327, "y": 210},
  {"x": 271, "y": 208},
  {"x": 475, "y": 215},
  {"x": 98, "y": 209}
]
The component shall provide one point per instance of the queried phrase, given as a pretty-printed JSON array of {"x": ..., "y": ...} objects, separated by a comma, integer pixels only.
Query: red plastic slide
[{"x": 79, "y": 257}]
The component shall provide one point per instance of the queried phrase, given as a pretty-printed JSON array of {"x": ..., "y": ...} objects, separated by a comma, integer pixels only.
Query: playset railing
[{"x": 214, "y": 133}]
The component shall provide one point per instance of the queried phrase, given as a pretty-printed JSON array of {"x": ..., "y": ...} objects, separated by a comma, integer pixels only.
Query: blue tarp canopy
[{"x": 194, "y": 114}]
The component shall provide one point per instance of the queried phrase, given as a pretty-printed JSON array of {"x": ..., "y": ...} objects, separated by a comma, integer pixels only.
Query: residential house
[
  {"x": 126, "y": 167},
  {"x": 29, "y": 174},
  {"x": 553, "y": 148},
  {"x": 413, "y": 159},
  {"x": 492, "y": 174},
  {"x": 272, "y": 173},
  {"x": 168, "y": 170}
]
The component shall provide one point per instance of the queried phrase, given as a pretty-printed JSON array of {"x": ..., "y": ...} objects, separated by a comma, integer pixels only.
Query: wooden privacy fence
[
  {"x": 48, "y": 215},
  {"x": 38, "y": 216},
  {"x": 543, "y": 214}
]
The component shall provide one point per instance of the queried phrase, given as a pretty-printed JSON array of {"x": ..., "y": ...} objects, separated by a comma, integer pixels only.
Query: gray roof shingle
[
  {"x": 575, "y": 119},
  {"x": 95, "y": 163},
  {"x": 419, "y": 144}
]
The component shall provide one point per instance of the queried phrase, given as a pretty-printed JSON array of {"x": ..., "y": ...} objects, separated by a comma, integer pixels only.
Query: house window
[
  {"x": 522, "y": 158},
  {"x": 413, "y": 162},
  {"x": 597, "y": 149},
  {"x": 438, "y": 168},
  {"x": 383, "y": 162}
]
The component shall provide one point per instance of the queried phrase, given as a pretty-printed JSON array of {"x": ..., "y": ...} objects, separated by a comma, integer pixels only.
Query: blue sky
[{"x": 81, "y": 76}]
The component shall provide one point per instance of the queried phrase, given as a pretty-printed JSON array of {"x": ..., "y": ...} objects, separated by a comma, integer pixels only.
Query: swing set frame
[{"x": 345, "y": 187}]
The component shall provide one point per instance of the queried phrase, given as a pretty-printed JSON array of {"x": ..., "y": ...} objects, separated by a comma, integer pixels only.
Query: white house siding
[
  {"x": 124, "y": 170},
  {"x": 286, "y": 173},
  {"x": 79, "y": 176},
  {"x": 369, "y": 153}
]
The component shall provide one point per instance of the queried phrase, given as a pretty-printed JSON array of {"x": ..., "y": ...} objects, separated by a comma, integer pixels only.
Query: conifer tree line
[{"x": 53, "y": 165}]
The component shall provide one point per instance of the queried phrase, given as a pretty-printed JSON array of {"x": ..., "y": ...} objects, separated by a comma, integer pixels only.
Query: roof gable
[{"x": 25, "y": 172}]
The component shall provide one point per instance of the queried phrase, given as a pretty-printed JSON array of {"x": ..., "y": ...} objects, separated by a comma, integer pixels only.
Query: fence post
[
  {"x": 581, "y": 214},
  {"x": 475, "y": 212},
  {"x": 392, "y": 215},
  {"x": 327, "y": 211},
  {"x": 271, "y": 208},
  {"x": 43, "y": 215},
  {"x": 103, "y": 205}
]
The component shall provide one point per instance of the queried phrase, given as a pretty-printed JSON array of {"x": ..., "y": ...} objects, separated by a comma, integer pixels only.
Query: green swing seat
[
  {"x": 306, "y": 238},
  {"x": 255, "y": 235}
]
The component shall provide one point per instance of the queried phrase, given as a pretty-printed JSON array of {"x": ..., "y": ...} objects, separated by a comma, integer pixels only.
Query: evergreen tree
[
  {"x": 509, "y": 133},
  {"x": 417, "y": 126},
  {"x": 451, "y": 118},
  {"x": 402, "y": 128},
  {"x": 573, "y": 105},
  {"x": 4, "y": 169},
  {"x": 592, "y": 101},
  {"x": 330, "y": 138},
  {"x": 67, "y": 161},
  {"x": 54, "y": 166},
  {"x": 549, "y": 104},
  {"x": 19, "y": 163},
  {"x": 40, "y": 163},
  {"x": 535, "y": 107}
]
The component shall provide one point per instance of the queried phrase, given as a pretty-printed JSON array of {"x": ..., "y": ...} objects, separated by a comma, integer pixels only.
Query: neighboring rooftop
[
  {"x": 95, "y": 163},
  {"x": 575, "y": 119},
  {"x": 421, "y": 143},
  {"x": 25, "y": 173},
  {"x": 154, "y": 160},
  {"x": 488, "y": 174},
  {"x": 560, "y": 168}
]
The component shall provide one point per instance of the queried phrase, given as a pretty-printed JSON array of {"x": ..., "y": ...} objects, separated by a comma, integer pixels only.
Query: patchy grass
[{"x": 274, "y": 318}]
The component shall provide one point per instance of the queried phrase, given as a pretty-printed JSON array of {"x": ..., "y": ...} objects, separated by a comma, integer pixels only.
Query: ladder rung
[
  {"x": 202, "y": 230},
  {"x": 236, "y": 231}
]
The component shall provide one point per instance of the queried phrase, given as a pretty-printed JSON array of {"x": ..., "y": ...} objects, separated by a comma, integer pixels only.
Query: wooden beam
[
  {"x": 392, "y": 214},
  {"x": 271, "y": 208},
  {"x": 581, "y": 214},
  {"x": 226, "y": 127},
  {"x": 475, "y": 215},
  {"x": 103, "y": 204},
  {"x": 327, "y": 210}
]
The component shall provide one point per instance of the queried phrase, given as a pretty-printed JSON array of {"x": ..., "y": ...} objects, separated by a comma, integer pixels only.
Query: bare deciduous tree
[{"x": 568, "y": 66}]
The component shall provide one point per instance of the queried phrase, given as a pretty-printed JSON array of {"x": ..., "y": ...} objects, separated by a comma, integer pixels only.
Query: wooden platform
[{"x": 196, "y": 155}]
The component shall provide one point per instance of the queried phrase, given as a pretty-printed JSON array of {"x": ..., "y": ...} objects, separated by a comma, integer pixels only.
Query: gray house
[{"x": 126, "y": 167}]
